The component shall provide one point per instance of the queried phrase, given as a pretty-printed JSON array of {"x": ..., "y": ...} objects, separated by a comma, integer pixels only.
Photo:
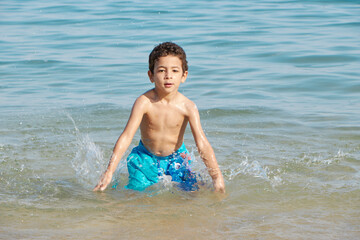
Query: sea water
[{"x": 277, "y": 84}]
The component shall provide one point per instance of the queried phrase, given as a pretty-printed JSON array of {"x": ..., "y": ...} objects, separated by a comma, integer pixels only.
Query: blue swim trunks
[{"x": 145, "y": 168}]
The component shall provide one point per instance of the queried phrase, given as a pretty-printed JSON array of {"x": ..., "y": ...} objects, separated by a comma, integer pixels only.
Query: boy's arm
[
  {"x": 205, "y": 150},
  {"x": 123, "y": 142}
]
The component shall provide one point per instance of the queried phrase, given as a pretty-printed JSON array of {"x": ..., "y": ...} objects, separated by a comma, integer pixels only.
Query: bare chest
[{"x": 165, "y": 118}]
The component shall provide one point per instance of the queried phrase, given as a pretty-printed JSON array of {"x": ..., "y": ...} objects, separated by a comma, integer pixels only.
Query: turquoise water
[{"x": 277, "y": 84}]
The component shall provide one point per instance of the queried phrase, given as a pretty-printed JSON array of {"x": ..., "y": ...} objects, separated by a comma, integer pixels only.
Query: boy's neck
[{"x": 165, "y": 97}]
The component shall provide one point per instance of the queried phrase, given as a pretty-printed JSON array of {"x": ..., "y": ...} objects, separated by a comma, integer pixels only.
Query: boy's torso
[{"x": 164, "y": 123}]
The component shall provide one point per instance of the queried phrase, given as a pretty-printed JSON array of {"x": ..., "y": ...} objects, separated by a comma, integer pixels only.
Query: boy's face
[{"x": 168, "y": 74}]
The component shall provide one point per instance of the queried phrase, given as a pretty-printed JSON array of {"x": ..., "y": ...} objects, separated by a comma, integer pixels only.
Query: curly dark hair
[{"x": 165, "y": 49}]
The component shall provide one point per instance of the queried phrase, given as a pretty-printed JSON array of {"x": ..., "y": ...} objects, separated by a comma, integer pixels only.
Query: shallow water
[{"x": 277, "y": 86}]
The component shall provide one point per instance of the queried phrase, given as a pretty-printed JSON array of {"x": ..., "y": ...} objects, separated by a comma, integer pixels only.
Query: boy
[{"x": 162, "y": 114}]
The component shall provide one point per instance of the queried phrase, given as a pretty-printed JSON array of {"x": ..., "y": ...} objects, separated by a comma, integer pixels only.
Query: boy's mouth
[{"x": 167, "y": 85}]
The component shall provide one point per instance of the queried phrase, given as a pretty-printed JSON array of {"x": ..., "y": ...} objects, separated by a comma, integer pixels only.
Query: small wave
[
  {"x": 249, "y": 111},
  {"x": 23, "y": 185},
  {"x": 319, "y": 159},
  {"x": 38, "y": 62},
  {"x": 319, "y": 59}
]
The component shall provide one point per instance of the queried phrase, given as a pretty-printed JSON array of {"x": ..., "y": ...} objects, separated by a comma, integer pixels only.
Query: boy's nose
[{"x": 168, "y": 75}]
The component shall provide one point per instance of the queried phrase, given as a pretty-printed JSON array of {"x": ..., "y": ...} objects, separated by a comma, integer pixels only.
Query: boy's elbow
[
  {"x": 200, "y": 144},
  {"x": 203, "y": 145}
]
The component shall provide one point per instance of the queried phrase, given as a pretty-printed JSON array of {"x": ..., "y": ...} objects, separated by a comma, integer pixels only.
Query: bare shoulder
[
  {"x": 143, "y": 101},
  {"x": 147, "y": 97},
  {"x": 189, "y": 105}
]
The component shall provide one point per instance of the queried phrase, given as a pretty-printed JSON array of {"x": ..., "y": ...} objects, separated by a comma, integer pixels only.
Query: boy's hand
[
  {"x": 219, "y": 185},
  {"x": 104, "y": 182}
]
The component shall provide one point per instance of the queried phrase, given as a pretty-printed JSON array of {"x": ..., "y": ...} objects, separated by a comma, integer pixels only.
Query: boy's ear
[
  {"x": 150, "y": 76},
  {"x": 183, "y": 79}
]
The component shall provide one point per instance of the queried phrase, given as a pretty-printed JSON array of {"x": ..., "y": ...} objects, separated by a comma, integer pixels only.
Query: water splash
[
  {"x": 88, "y": 162},
  {"x": 255, "y": 169}
]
